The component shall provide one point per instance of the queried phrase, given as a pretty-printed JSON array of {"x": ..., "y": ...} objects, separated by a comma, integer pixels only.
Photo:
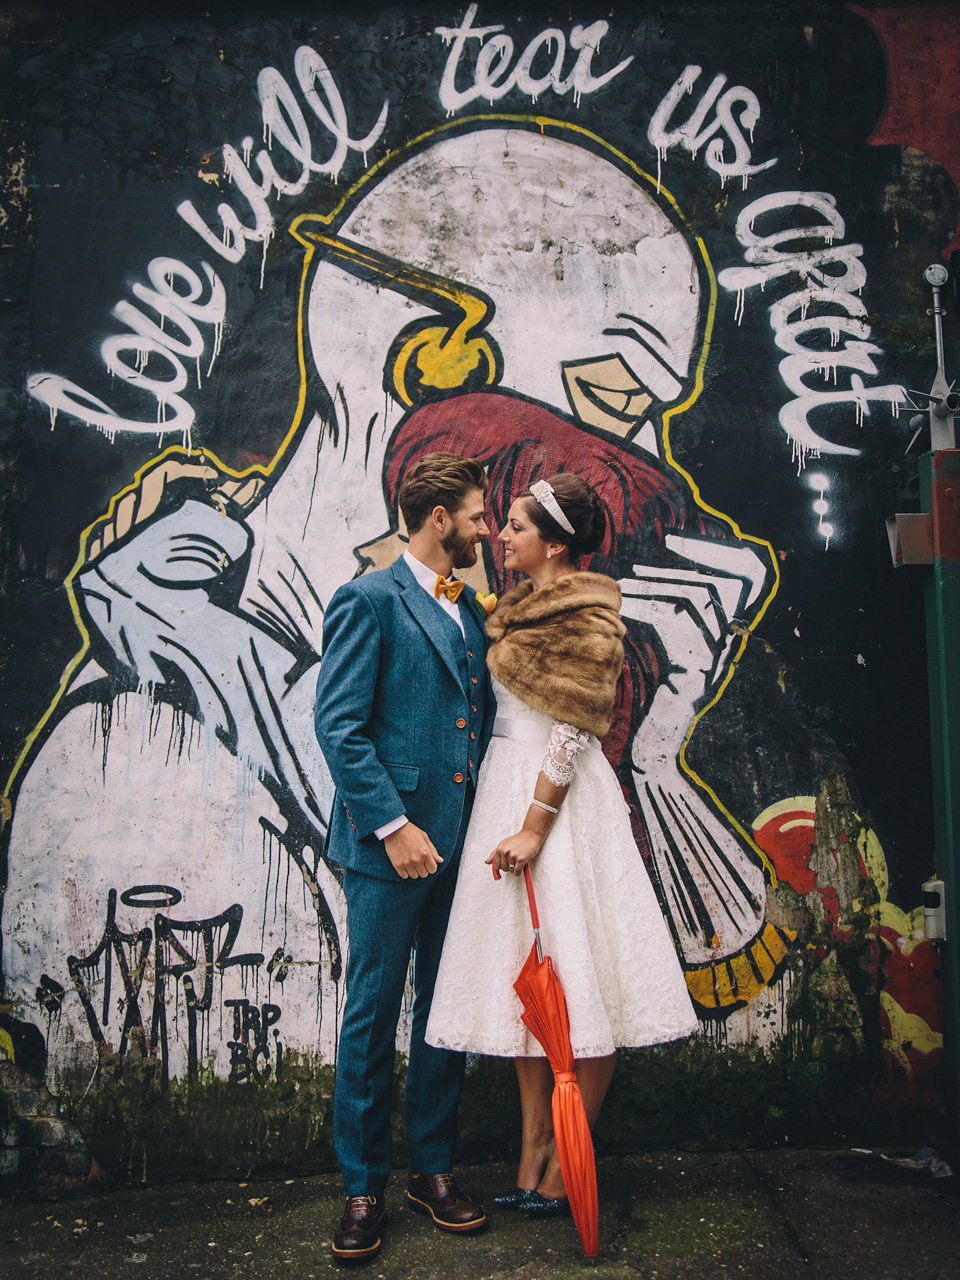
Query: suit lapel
[
  {"x": 471, "y": 618},
  {"x": 429, "y": 616}
]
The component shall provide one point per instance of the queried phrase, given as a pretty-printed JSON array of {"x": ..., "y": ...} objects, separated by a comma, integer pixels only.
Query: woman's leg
[
  {"x": 593, "y": 1076},
  {"x": 536, "y": 1089}
]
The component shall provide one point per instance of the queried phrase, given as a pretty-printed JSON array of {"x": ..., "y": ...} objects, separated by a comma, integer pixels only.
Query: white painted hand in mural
[
  {"x": 141, "y": 503},
  {"x": 711, "y": 883},
  {"x": 201, "y": 790},
  {"x": 149, "y": 600}
]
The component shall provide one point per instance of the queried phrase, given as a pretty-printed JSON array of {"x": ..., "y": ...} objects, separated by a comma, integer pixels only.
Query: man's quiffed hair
[{"x": 437, "y": 480}]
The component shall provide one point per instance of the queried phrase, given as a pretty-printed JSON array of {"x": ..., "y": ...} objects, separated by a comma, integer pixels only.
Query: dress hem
[{"x": 591, "y": 1051}]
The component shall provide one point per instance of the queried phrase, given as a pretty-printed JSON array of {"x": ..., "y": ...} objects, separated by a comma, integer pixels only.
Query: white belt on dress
[{"x": 518, "y": 730}]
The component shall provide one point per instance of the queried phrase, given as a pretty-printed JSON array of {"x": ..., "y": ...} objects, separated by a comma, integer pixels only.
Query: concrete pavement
[{"x": 670, "y": 1215}]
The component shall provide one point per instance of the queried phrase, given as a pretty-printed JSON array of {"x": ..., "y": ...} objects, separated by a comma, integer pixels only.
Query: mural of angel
[{"x": 519, "y": 294}]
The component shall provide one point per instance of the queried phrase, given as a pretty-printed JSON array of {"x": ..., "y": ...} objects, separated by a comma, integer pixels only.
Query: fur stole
[{"x": 560, "y": 649}]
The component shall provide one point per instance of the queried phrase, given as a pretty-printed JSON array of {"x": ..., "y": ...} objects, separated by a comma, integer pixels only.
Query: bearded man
[{"x": 403, "y": 714}]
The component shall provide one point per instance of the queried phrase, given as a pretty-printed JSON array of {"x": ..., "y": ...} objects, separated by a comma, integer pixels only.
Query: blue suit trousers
[{"x": 385, "y": 920}]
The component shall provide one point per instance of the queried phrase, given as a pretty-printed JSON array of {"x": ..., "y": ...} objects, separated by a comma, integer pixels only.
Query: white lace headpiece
[{"x": 544, "y": 494}]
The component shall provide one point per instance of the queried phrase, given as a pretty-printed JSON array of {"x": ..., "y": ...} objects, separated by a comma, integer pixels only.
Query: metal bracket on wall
[
  {"x": 943, "y": 403},
  {"x": 911, "y": 538},
  {"x": 934, "y": 911}
]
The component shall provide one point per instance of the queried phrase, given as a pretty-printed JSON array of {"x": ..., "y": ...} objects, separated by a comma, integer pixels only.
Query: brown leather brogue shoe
[
  {"x": 438, "y": 1196},
  {"x": 357, "y": 1236}
]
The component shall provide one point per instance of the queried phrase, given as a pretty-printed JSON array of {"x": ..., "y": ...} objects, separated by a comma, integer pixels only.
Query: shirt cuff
[{"x": 390, "y": 827}]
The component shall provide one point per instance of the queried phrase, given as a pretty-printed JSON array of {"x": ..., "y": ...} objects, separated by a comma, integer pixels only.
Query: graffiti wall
[{"x": 258, "y": 264}]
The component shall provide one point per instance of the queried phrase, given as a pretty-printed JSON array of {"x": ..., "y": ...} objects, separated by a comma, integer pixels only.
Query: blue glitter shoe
[
  {"x": 538, "y": 1206},
  {"x": 513, "y": 1199}
]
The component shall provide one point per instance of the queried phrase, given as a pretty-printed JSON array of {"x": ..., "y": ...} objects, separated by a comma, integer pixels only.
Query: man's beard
[{"x": 460, "y": 547}]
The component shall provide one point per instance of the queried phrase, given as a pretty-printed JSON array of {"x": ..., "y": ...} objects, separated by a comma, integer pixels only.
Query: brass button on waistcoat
[
  {"x": 461, "y": 723},
  {"x": 458, "y": 777}
]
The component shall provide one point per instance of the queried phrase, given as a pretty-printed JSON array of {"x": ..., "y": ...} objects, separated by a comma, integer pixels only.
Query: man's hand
[{"x": 412, "y": 852}]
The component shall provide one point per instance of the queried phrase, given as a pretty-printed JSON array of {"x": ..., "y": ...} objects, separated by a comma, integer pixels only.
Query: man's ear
[{"x": 438, "y": 518}]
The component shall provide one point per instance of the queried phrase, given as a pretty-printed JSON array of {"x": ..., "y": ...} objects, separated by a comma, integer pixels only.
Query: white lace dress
[{"x": 599, "y": 917}]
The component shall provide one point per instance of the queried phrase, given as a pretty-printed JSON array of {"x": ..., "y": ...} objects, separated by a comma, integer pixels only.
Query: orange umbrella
[{"x": 545, "y": 1014}]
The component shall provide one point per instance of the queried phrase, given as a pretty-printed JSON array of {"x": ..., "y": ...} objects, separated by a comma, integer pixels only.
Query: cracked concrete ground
[{"x": 673, "y": 1215}]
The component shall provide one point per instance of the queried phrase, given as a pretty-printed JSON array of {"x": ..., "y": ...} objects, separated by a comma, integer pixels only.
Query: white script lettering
[
  {"x": 490, "y": 78},
  {"x": 697, "y": 132},
  {"x": 830, "y": 277},
  {"x": 147, "y": 338},
  {"x": 283, "y": 122}
]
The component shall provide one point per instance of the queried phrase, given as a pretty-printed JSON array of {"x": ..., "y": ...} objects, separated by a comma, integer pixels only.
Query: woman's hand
[{"x": 514, "y": 852}]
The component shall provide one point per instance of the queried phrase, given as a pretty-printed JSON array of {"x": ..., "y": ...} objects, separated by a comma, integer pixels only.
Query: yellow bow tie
[{"x": 451, "y": 589}]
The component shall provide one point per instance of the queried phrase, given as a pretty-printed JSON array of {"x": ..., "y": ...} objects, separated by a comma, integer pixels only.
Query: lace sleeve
[{"x": 560, "y": 758}]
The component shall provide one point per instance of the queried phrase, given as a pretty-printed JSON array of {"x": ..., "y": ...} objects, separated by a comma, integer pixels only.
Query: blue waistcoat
[{"x": 404, "y": 713}]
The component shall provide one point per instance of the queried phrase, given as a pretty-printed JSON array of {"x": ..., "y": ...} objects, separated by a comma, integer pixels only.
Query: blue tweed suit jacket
[{"x": 404, "y": 713}]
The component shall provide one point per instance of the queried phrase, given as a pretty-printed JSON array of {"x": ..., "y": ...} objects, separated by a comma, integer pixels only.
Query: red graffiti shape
[
  {"x": 921, "y": 45},
  {"x": 913, "y": 978},
  {"x": 787, "y": 841}
]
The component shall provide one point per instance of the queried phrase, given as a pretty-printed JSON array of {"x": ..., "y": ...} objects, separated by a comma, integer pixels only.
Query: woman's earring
[{"x": 549, "y": 554}]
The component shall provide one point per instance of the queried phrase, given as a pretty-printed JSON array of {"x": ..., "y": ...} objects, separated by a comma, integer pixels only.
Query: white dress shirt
[{"x": 428, "y": 580}]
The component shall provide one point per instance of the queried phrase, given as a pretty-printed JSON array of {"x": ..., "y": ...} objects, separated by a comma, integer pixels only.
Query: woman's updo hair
[{"x": 581, "y": 505}]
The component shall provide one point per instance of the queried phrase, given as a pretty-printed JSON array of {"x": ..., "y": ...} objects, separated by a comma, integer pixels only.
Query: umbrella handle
[
  {"x": 532, "y": 899},
  {"x": 534, "y": 914},
  {"x": 531, "y": 896}
]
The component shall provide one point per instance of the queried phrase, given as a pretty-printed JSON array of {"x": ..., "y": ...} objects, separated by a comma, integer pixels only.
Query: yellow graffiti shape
[
  {"x": 445, "y": 358},
  {"x": 735, "y": 981},
  {"x": 908, "y": 1028},
  {"x": 905, "y": 1028},
  {"x": 438, "y": 357}
]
